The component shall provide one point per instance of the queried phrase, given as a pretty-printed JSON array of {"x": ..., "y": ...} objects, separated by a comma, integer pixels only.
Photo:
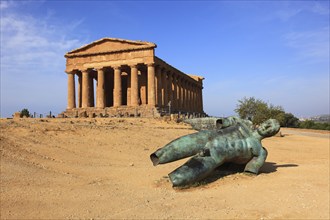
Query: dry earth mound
[{"x": 100, "y": 168}]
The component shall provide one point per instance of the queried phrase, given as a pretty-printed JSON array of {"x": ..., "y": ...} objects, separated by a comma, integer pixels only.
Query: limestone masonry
[{"x": 130, "y": 81}]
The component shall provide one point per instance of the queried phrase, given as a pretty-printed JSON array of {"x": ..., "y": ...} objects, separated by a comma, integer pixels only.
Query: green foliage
[
  {"x": 289, "y": 120},
  {"x": 253, "y": 109},
  {"x": 258, "y": 111},
  {"x": 25, "y": 112},
  {"x": 309, "y": 124}
]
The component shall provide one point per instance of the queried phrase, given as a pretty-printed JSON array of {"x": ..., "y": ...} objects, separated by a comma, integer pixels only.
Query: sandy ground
[{"x": 100, "y": 168}]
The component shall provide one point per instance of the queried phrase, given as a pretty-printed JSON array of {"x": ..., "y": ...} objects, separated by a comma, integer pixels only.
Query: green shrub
[
  {"x": 25, "y": 112},
  {"x": 309, "y": 124},
  {"x": 259, "y": 111}
]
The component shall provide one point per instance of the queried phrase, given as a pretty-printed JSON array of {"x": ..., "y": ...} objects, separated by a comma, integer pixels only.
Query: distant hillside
[{"x": 321, "y": 118}]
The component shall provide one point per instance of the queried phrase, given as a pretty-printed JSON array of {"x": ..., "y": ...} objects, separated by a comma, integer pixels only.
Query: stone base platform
[{"x": 124, "y": 111}]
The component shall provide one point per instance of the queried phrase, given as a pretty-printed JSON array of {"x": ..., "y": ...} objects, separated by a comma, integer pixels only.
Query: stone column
[
  {"x": 134, "y": 86},
  {"x": 156, "y": 85},
  {"x": 159, "y": 86},
  {"x": 191, "y": 98},
  {"x": 79, "y": 89},
  {"x": 182, "y": 94},
  {"x": 185, "y": 94},
  {"x": 197, "y": 99},
  {"x": 109, "y": 76},
  {"x": 85, "y": 88},
  {"x": 175, "y": 98},
  {"x": 201, "y": 99},
  {"x": 71, "y": 91},
  {"x": 151, "y": 85},
  {"x": 194, "y": 98},
  {"x": 169, "y": 87},
  {"x": 100, "y": 92},
  {"x": 91, "y": 90},
  {"x": 117, "y": 87},
  {"x": 164, "y": 88},
  {"x": 128, "y": 97},
  {"x": 188, "y": 97},
  {"x": 179, "y": 95},
  {"x": 143, "y": 86}
]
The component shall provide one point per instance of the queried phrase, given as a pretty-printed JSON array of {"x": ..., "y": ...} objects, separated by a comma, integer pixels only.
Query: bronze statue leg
[
  {"x": 193, "y": 170},
  {"x": 182, "y": 147}
]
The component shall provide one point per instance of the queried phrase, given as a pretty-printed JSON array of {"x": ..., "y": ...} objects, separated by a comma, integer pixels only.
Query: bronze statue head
[{"x": 269, "y": 128}]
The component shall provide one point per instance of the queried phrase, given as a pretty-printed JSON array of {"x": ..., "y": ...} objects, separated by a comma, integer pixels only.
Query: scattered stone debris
[
  {"x": 17, "y": 115},
  {"x": 279, "y": 134}
]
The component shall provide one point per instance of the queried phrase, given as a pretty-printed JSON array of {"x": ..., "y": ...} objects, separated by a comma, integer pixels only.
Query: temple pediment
[{"x": 110, "y": 45}]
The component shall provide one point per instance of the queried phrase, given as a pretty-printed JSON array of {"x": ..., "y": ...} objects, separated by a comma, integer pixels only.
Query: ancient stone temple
[{"x": 115, "y": 77}]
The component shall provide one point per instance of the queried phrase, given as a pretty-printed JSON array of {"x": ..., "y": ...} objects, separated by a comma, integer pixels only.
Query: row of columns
[
  {"x": 177, "y": 90},
  {"x": 164, "y": 88}
]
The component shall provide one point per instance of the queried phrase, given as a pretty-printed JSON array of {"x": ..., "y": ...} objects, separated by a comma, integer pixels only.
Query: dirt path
[
  {"x": 100, "y": 168},
  {"x": 307, "y": 132}
]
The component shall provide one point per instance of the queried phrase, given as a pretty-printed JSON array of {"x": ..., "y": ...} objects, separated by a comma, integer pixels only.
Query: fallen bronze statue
[{"x": 225, "y": 140}]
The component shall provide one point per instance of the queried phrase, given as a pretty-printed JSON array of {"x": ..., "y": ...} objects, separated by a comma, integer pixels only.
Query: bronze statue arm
[{"x": 256, "y": 162}]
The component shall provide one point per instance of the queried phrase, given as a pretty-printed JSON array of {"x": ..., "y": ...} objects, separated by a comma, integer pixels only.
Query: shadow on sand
[
  {"x": 270, "y": 167},
  {"x": 229, "y": 169}
]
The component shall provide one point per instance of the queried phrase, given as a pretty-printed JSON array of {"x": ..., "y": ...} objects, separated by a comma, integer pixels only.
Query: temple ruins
[{"x": 114, "y": 77}]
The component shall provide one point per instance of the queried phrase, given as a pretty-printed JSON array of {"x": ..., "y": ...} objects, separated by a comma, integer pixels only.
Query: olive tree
[
  {"x": 25, "y": 112},
  {"x": 253, "y": 109},
  {"x": 258, "y": 111}
]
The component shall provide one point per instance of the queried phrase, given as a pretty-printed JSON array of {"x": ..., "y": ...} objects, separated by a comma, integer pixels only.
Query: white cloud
[
  {"x": 312, "y": 45},
  {"x": 321, "y": 9},
  {"x": 26, "y": 41},
  {"x": 32, "y": 51},
  {"x": 285, "y": 15},
  {"x": 6, "y": 4},
  {"x": 289, "y": 10}
]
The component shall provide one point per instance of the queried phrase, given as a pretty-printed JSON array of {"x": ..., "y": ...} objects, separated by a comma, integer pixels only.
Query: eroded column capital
[
  {"x": 133, "y": 65},
  {"x": 116, "y": 67},
  {"x": 86, "y": 71},
  {"x": 100, "y": 69},
  {"x": 150, "y": 64},
  {"x": 70, "y": 72}
]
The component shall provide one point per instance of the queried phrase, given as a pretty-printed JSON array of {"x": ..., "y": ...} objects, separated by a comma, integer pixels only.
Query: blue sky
[{"x": 277, "y": 51}]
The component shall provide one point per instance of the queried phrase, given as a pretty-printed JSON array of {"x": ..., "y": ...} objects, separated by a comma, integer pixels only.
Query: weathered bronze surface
[
  {"x": 212, "y": 123},
  {"x": 229, "y": 140}
]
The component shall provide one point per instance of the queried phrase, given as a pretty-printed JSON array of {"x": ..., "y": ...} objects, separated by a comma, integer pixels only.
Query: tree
[
  {"x": 253, "y": 109},
  {"x": 258, "y": 111},
  {"x": 276, "y": 112},
  {"x": 25, "y": 112},
  {"x": 289, "y": 120},
  {"x": 248, "y": 108},
  {"x": 309, "y": 124}
]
